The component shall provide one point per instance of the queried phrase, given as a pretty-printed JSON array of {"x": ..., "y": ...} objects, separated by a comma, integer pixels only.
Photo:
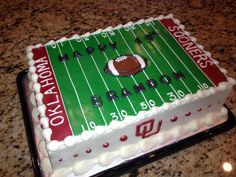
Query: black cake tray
[{"x": 127, "y": 166}]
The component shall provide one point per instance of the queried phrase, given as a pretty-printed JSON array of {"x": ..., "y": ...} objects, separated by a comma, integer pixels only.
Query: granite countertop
[{"x": 25, "y": 23}]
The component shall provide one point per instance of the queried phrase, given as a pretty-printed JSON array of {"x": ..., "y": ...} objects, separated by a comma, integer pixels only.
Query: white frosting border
[
  {"x": 71, "y": 140},
  {"x": 108, "y": 160}
]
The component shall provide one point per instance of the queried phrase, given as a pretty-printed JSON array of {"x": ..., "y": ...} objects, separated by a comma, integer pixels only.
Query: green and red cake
[{"x": 109, "y": 96}]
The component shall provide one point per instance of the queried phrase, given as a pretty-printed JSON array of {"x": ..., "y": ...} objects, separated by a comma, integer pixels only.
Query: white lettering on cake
[
  {"x": 43, "y": 59},
  {"x": 54, "y": 108},
  {"x": 86, "y": 38},
  {"x": 201, "y": 58},
  {"x": 54, "y": 111},
  {"x": 104, "y": 34},
  {"x": 195, "y": 51},
  {"x": 54, "y": 102},
  {"x": 179, "y": 34},
  {"x": 45, "y": 74},
  {"x": 112, "y": 33},
  {"x": 189, "y": 46},
  {"x": 78, "y": 39},
  {"x": 50, "y": 90},
  {"x": 184, "y": 39},
  {"x": 173, "y": 28},
  {"x": 58, "y": 120},
  {"x": 43, "y": 63},
  {"x": 206, "y": 63},
  {"x": 54, "y": 45},
  {"x": 47, "y": 82}
]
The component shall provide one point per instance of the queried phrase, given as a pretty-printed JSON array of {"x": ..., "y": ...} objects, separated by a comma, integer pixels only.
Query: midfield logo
[{"x": 148, "y": 128}]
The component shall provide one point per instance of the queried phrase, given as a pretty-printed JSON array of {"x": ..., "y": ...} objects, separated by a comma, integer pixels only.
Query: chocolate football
[{"x": 126, "y": 65}]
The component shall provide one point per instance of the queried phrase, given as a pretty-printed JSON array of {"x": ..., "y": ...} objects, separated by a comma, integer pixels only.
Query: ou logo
[{"x": 148, "y": 128}]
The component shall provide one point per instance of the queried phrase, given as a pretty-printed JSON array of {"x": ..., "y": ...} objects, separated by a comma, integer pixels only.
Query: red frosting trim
[
  {"x": 105, "y": 145},
  {"x": 188, "y": 114},
  {"x": 55, "y": 111},
  {"x": 123, "y": 138},
  {"x": 204, "y": 62},
  {"x": 199, "y": 109},
  {"x": 75, "y": 155},
  {"x": 173, "y": 119},
  {"x": 88, "y": 150}
]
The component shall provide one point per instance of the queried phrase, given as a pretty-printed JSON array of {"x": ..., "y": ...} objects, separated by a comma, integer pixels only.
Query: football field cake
[{"x": 102, "y": 98}]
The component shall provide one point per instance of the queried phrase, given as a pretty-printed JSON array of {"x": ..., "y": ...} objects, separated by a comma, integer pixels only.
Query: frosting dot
[
  {"x": 76, "y": 155},
  {"x": 105, "y": 145},
  {"x": 199, "y": 109},
  {"x": 88, "y": 150},
  {"x": 187, "y": 113},
  {"x": 123, "y": 138},
  {"x": 173, "y": 119},
  {"x": 60, "y": 160}
]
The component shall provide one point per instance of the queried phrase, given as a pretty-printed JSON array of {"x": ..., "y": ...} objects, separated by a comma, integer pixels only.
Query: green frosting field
[{"x": 83, "y": 77}]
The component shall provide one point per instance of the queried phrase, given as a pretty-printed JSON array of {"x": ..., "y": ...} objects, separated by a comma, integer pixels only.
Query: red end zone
[
  {"x": 55, "y": 111},
  {"x": 204, "y": 63}
]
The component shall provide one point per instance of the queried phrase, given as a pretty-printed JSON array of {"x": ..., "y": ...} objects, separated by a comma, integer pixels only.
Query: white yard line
[
  {"x": 116, "y": 77},
  {"x": 166, "y": 61},
  {"x": 77, "y": 96},
  {"x": 121, "y": 118},
  {"x": 180, "y": 59},
  {"x": 88, "y": 83}
]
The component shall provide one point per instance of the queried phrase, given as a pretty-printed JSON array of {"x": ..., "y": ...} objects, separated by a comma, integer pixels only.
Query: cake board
[{"x": 126, "y": 166}]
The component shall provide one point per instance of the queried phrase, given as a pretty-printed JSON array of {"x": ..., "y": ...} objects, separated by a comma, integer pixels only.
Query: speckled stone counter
[{"x": 30, "y": 22}]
